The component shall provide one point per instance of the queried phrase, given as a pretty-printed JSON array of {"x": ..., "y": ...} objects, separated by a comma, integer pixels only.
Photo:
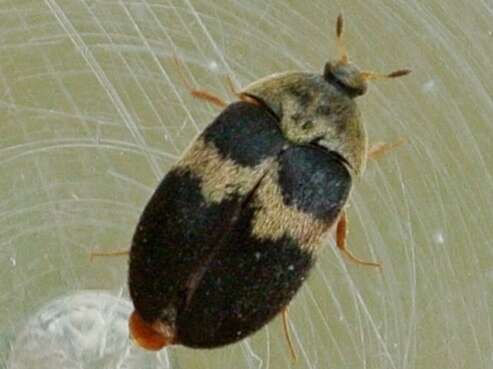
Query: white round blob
[{"x": 87, "y": 329}]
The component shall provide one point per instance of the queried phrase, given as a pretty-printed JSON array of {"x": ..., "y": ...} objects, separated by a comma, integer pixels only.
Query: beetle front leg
[
  {"x": 215, "y": 100},
  {"x": 241, "y": 96},
  {"x": 209, "y": 97},
  {"x": 341, "y": 234},
  {"x": 380, "y": 149},
  {"x": 197, "y": 93}
]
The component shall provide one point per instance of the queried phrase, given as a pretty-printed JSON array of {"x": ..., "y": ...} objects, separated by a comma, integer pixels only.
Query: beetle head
[
  {"x": 347, "y": 75},
  {"x": 319, "y": 109}
]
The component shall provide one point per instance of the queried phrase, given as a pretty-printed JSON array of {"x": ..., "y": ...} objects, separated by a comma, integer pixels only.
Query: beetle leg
[
  {"x": 215, "y": 100},
  {"x": 197, "y": 93},
  {"x": 285, "y": 325},
  {"x": 341, "y": 233},
  {"x": 380, "y": 149},
  {"x": 232, "y": 87},
  {"x": 109, "y": 253},
  {"x": 239, "y": 95},
  {"x": 209, "y": 97}
]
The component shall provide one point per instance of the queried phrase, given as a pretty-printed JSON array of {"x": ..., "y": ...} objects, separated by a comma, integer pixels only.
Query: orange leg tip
[
  {"x": 359, "y": 261},
  {"x": 146, "y": 335}
]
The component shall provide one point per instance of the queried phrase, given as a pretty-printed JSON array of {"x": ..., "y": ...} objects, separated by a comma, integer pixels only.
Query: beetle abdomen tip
[{"x": 150, "y": 336}]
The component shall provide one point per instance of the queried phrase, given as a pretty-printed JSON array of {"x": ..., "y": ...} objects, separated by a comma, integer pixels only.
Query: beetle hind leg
[
  {"x": 285, "y": 324},
  {"x": 95, "y": 254},
  {"x": 341, "y": 234}
]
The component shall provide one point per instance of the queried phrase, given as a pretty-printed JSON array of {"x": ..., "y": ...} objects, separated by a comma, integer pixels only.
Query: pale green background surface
[{"x": 93, "y": 113}]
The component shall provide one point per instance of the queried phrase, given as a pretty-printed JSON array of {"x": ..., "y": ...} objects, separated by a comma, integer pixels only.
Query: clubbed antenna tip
[
  {"x": 367, "y": 76},
  {"x": 339, "y": 26},
  {"x": 399, "y": 73},
  {"x": 343, "y": 57}
]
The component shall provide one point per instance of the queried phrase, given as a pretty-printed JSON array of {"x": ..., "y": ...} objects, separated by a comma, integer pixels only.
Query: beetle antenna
[
  {"x": 343, "y": 56},
  {"x": 374, "y": 76}
]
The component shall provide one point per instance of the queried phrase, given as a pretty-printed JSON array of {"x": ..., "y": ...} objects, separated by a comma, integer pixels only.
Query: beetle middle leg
[
  {"x": 341, "y": 234},
  {"x": 95, "y": 254},
  {"x": 380, "y": 149}
]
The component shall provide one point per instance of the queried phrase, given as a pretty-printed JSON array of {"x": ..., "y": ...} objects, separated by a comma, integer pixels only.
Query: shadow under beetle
[{"x": 232, "y": 231}]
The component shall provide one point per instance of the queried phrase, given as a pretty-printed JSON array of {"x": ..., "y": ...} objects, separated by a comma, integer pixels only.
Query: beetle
[{"x": 232, "y": 231}]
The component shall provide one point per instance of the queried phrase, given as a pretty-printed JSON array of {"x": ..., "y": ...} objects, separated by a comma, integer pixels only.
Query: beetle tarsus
[
  {"x": 95, "y": 254},
  {"x": 359, "y": 261},
  {"x": 341, "y": 233},
  {"x": 285, "y": 325},
  {"x": 380, "y": 149},
  {"x": 209, "y": 97},
  {"x": 197, "y": 93}
]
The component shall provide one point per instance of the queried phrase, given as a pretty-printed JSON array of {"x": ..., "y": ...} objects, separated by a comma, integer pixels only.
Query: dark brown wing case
[
  {"x": 267, "y": 254},
  {"x": 218, "y": 252},
  {"x": 181, "y": 226}
]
